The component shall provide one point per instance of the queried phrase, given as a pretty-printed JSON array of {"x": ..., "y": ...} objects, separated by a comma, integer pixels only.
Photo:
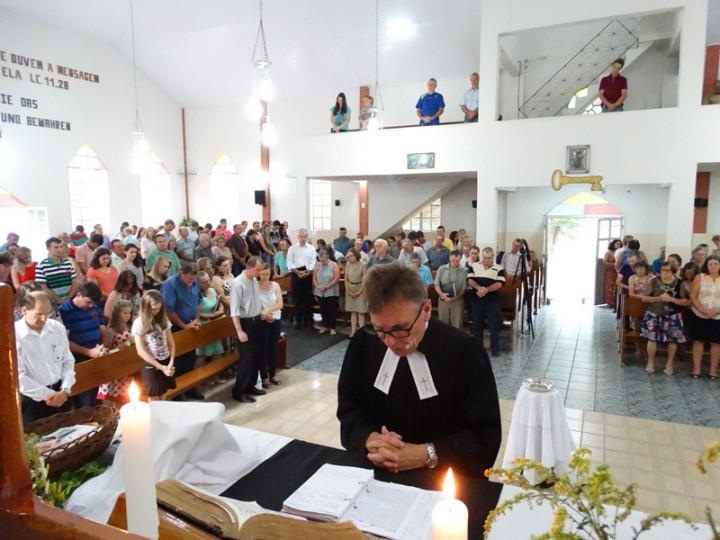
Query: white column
[
  {"x": 486, "y": 220},
  {"x": 680, "y": 213}
]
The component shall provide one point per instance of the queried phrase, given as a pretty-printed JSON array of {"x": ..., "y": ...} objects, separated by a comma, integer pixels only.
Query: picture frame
[
  {"x": 578, "y": 159},
  {"x": 425, "y": 160}
]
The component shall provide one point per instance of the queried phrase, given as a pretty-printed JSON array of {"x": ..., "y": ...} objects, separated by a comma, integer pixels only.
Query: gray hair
[
  {"x": 488, "y": 250},
  {"x": 388, "y": 283},
  {"x": 381, "y": 241}
]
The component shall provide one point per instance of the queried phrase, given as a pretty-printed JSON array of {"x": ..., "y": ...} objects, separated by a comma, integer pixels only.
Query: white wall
[
  {"x": 34, "y": 160},
  {"x": 457, "y": 210},
  {"x": 637, "y": 147},
  {"x": 212, "y": 131},
  {"x": 652, "y": 77},
  {"x": 643, "y": 208}
]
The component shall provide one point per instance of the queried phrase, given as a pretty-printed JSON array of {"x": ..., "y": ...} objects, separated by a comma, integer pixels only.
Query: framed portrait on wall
[{"x": 578, "y": 159}]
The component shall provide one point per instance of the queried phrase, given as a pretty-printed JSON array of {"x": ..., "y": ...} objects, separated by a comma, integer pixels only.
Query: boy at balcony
[{"x": 613, "y": 88}]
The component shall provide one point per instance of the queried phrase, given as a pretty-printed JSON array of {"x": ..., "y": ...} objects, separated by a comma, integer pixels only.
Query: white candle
[
  {"x": 450, "y": 516},
  {"x": 140, "y": 496}
]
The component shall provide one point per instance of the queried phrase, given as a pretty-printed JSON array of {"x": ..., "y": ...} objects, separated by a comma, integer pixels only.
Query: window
[
  {"x": 155, "y": 192},
  {"x": 428, "y": 219},
  {"x": 224, "y": 192},
  {"x": 608, "y": 229},
  {"x": 320, "y": 205},
  {"x": 594, "y": 108},
  {"x": 89, "y": 192},
  {"x": 579, "y": 94}
]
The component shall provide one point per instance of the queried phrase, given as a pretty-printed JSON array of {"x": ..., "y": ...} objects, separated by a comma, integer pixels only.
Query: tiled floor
[{"x": 615, "y": 411}]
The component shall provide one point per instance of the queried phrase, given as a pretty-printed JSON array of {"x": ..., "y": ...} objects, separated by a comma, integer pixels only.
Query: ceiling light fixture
[
  {"x": 375, "y": 120},
  {"x": 141, "y": 146},
  {"x": 265, "y": 90}
]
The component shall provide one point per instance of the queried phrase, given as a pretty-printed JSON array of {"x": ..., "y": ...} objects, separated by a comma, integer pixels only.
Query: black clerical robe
[{"x": 462, "y": 421}]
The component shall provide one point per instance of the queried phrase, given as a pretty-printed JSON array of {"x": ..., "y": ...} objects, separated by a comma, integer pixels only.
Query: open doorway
[{"x": 577, "y": 232}]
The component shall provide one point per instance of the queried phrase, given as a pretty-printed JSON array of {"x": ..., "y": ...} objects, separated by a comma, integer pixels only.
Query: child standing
[
  {"x": 155, "y": 345},
  {"x": 121, "y": 338}
]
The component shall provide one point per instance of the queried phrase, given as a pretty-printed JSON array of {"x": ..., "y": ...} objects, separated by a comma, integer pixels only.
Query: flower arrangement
[
  {"x": 55, "y": 492},
  {"x": 710, "y": 455},
  {"x": 579, "y": 498}
]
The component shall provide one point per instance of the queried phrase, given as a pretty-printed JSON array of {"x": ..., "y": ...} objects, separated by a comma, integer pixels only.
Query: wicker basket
[{"x": 73, "y": 455}]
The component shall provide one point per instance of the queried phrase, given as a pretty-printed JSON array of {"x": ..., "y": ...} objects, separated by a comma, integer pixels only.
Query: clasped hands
[
  {"x": 387, "y": 450},
  {"x": 481, "y": 291},
  {"x": 56, "y": 399}
]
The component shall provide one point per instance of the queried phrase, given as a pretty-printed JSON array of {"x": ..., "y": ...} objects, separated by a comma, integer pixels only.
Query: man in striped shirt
[{"x": 56, "y": 274}]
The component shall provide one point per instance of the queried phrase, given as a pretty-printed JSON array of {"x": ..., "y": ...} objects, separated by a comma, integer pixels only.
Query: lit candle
[
  {"x": 450, "y": 516},
  {"x": 140, "y": 496}
]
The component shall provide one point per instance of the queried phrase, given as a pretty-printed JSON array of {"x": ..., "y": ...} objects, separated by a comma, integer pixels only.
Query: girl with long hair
[
  {"x": 102, "y": 273},
  {"x": 157, "y": 275},
  {"x": 340, "y": 115},
  {"x": 155, "y": 345}
]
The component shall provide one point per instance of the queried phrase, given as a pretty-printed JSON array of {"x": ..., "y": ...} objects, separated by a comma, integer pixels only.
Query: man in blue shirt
[
  {"x": 181, "y": 294},
  {"x": 83, "y": 319},
  {"x": 430, "y": 106},
  {"x": 342, "y": 242}
]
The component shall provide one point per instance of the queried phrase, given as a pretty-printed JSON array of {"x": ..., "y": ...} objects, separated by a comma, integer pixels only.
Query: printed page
[
  {"x": 394, "y": 511},
  {"x": 420, "y": 525},
  {"x": 328, "y": 493}
]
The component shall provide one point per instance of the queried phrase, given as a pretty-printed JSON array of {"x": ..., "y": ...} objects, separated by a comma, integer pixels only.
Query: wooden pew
[
  {"x": 511, "y": 309},
  {"x": 93, "y": 372}
]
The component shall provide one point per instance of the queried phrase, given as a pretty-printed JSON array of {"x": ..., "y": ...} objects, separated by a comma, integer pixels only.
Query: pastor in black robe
[{"x": 462, "y": 421}]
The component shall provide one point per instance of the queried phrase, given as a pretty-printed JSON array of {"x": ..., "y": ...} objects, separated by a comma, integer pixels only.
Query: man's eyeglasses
[
  {"x": 37, "y": 315},
  {"x": 396, "y": 333}
]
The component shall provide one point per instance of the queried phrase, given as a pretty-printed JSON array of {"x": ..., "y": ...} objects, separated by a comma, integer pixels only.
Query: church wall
[
  {"x": 34, "y": 159},
  {"x": 212, "y": 131},
  {"x": 661, "y": 146},
  {"x": 642, "y": 206}
]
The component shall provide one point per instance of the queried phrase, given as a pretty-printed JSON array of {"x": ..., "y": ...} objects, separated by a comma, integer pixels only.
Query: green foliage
[
  {"x": 186, "y": 221},
  {"x": 710, "y": 455},
  {"x": 578, "y": 499},
  {"x": 58, "y": 491}
]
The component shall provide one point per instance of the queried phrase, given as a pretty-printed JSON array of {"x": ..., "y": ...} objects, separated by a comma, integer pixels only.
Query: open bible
[
  {"x": 335, "y": 493},
  {"x": 239, "y": 520}
]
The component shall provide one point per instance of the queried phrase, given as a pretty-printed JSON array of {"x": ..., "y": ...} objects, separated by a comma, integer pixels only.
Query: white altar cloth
[
  {"x": 539, "y": 431},
  {"x": 190, "y": 443}
]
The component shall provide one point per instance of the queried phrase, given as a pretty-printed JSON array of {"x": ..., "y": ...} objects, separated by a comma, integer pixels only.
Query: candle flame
[
  {"x": 134, "y": 392},
  {"x": 449, "y": 485}
]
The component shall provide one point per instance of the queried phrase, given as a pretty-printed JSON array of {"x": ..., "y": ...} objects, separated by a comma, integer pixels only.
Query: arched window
[
  {"x": 224, "y": 192},
  {"x": 89, "y": 192},
  {"x": 155, "y": 191}
]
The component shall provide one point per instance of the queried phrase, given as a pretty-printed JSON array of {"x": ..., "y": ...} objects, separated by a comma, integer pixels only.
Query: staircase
[{"x": 613, "y": 41}]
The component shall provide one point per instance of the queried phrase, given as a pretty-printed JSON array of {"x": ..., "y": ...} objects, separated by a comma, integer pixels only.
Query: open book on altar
[
  {"x": 229, "y": 518},
  {"x": 335, "y": 493}
]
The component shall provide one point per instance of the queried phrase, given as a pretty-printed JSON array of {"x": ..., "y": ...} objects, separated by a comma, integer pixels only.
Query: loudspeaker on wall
[
  {"x": 260, "y": 197},
  {"x": 474, "y": 203}
]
